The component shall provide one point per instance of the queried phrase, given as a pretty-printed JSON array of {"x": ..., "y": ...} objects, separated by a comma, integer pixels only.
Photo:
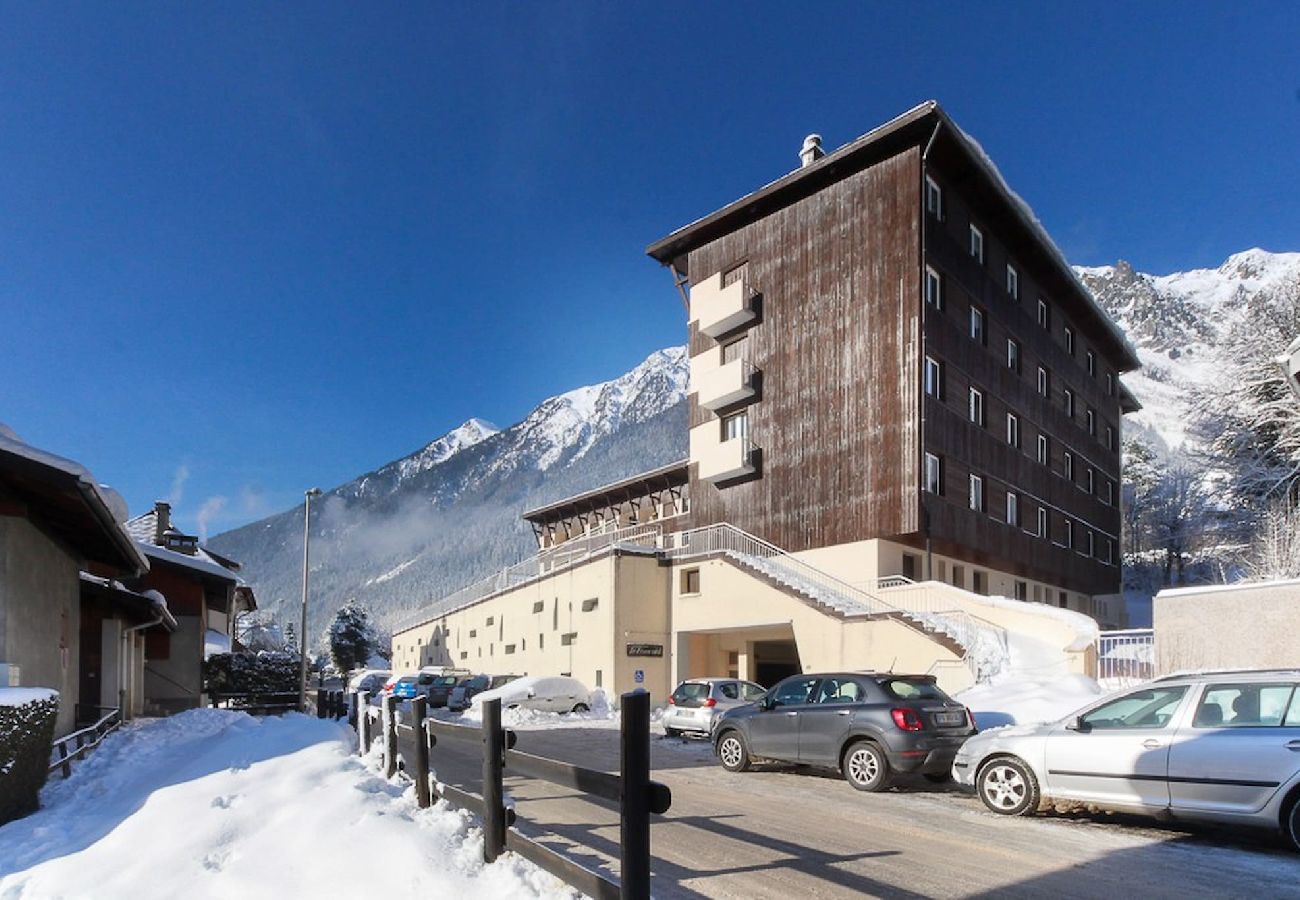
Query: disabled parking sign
[{"x": 639, "y": 676}]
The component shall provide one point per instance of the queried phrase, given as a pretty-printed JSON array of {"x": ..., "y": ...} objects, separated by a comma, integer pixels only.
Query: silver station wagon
[{"x": 1220, "y": 747}]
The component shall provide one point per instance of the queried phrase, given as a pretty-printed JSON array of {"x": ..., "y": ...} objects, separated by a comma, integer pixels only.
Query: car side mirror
[
  {"x": 1077, "y": 724},
  {"x": 771, "y": 703}
]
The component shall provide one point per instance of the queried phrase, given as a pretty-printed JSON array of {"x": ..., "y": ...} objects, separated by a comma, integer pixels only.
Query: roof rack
[{"x": 1199, "y": 673}]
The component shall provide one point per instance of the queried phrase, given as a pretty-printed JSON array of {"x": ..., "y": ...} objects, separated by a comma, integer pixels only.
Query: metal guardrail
[
  {"x": 86, "y": 739},
  {"x": 1126, "y": 657},
  {"x": 636, "y": 795}
]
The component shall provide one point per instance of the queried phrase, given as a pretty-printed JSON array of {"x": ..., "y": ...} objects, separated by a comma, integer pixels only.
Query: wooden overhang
[
  {"x": 670, "y": 477},
  {"x": 61, "y": 501},
  {"x": 134, "y": 606},
  {"x": 962, "y": 161}
]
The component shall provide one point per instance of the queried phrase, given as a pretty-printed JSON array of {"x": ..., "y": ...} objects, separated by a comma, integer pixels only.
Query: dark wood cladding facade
[{"x": 836, "y": 343}]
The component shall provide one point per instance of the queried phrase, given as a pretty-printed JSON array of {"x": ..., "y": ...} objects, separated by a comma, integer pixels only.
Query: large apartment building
[{"x": 903, "y": 405}]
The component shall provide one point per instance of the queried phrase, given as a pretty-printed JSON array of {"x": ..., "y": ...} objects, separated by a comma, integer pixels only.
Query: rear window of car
[
  {"x": 691, "y": 691},
  {"x": 1247, "y": 706},
  {"x": 912, "y": 689},
  {"x": 445, "y": 680},
  {"x": 406, "y": 679}
]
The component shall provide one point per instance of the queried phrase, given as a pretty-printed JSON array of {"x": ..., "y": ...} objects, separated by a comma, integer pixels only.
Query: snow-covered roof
[
  {"x": 1232, "y": 588},
  {"x": 199, "y": 562},
  {"x": 143, "y": 604}
]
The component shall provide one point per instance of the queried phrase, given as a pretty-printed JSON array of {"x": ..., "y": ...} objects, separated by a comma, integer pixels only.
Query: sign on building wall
[{"x": 645, "y": 649}]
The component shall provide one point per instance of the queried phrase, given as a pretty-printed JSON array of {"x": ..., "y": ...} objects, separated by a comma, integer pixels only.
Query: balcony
[
  {"x": 719, "y": 460},
  {"x": 718, "y": 309},
  {"x": 719, "y": 386}
]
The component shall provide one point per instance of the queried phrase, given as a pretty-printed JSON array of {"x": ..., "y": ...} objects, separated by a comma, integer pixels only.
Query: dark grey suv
[{"x": 866, "y": 724}]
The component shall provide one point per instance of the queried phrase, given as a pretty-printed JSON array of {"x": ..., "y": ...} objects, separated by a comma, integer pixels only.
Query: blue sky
[{"x": 245, "y": 249}]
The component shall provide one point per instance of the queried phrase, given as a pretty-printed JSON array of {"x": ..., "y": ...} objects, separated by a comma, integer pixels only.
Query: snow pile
[
  {"x": 1036, "y": 687},
  {"x": 213, "y": 803}
]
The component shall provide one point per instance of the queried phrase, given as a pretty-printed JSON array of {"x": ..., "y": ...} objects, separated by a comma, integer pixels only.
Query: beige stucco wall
[
  {"x": 1245, "y": 626},
  {"x": 176, "y": 683},
  {"x": 40, "y": 613}
]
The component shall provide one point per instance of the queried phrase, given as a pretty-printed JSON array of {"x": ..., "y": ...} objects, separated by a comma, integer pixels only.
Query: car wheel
[
  {"x": 865, "y": 767},
  {"x": 581, "y": 708},
  {"x": 937, "y": 777},
  {"x": 1291, "y": 824},
  {"x": 733, "y": 753},
  {"x": 1008, "y": 787}
]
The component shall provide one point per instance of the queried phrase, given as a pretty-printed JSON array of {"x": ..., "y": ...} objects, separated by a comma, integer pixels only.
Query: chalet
[{"x": 904, "y": 420}]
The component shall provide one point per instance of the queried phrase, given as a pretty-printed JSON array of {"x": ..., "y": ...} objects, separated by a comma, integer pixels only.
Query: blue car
[{"x": 406, "y": 687}]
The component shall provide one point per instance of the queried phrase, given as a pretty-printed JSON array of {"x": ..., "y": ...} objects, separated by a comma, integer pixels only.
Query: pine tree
[{"x": 351, "y": 637}]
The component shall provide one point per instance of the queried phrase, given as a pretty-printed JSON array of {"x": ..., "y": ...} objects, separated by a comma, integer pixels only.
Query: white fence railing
[{"x": 1126, "y": 657}]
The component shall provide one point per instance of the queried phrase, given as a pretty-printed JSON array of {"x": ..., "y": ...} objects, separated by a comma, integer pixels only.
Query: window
[
  {"x": 691, "y": 581},
  {"x": 730, "y": 690},
  {"x": 510, "y": 648},
  {"x": 590, "y": 604},
  {"x": 977, "y": 244},
  {"x": 541, "y": 641},
  {"x": 1044, "y": 382},
  {"x": 1069, "y": 403},
  {"x": 1042, "y": 521},
  {"x": 473, "y": 632},
  {"x": 933, "y": 198},
  {"x": 1110, "y": 438},
  {"x": 980, "y": 582},
  {"x": 1013, "y": 430},
  {"x": 1091, "y": 359},
  {"x": 933, "y": 288},
  {"x": 491, "y": 620},
  {"x": 977, "y": 329},
  {"x": 1013, "y": 509},
  {"x": 933, "y": 378},
  {"x": 539, "y": 606},
  {"x": 795, "y": 692},
  {"x": 1044, "y": 450},
  {"x": 569, "y": 639},
  {"x": 1108, "y": 491},
  {"x": 1090, "y": 416},
  {"x": 1148, "y": 708},
  {"x": 464, "y": 654},
  {"x": 911, "y": 566},
  {"x": 1088, "y": 543},
  {"x": 977, "y": 407},
  {"x": 1069, "y": 340},
  {"x": 1044, "y": 314},
  {"x": 1110, "y": 384},
  {"x": 1069, "y": 534},
  {"x": 839, "y": 690},
  {"x": 1013, "y": 355},
  {"x": 1110, "y": 551},
  {"x": 1069, "y": 466},
  {"x": 735, "y": 426},
  {"x": 933, "y": 474},
  {"x": 977, "y": 493},
  {"x": 1088, "y": 475},
  {"x": 1022, "y": 591},
  {"x": 1013, "y": 282},
  {"x": 735, "y": 350},
  {"x": 1247, "y": 706},
  {"x": 959, "y": 576},
  {"x": 735, "y": 273}
]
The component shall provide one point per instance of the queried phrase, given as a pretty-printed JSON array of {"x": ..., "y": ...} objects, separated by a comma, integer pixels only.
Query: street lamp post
[{"x": 302, "y": 632}]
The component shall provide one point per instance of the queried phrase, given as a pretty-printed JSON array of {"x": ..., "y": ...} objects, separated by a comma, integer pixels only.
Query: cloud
[
  {"x": 179, "y": 478},
  {"x": 252, "y": 500},
  {"x": 210, "y": 509}
]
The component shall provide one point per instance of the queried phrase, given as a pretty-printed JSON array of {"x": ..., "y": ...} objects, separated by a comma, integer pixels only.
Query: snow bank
[
  {"x": 215, "y": 803},
  {"x": 1036, "y": 687}
]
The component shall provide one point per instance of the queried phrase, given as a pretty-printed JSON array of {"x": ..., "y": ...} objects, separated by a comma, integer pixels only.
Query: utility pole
[{"x": 302, "y": 633}]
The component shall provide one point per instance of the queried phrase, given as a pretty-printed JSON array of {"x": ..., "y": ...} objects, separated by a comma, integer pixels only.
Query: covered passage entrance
[{"x": 764, "y": 654}]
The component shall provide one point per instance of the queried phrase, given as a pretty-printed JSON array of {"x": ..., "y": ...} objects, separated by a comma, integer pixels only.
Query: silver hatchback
[
  {"x": 696, "y": 702},
  {"x": 1222, "y": 747}
]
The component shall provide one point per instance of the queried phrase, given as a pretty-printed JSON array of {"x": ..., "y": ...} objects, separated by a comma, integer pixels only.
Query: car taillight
[
  {"x": 907, "y": 719},
  {"x": 710, "y": 702},
  {"x": 672, "y": 702},
  {"x": 970, "y": 717}
]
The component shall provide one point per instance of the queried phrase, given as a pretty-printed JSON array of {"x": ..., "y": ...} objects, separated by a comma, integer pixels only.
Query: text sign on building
[{"x": 645, "y": 649}]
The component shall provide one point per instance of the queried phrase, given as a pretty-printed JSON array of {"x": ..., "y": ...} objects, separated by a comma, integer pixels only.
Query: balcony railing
[
  {"x": 727, "y": 385},
  {"x": 733, "y": 458},
  {"x": 717, "y": 309}
]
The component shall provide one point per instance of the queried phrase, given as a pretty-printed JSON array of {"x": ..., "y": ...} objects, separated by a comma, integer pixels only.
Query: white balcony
[
  {"x": 719, "y": 460},
  {"x": 724, "y": 385},
  {"x": 718, "y": 309}
]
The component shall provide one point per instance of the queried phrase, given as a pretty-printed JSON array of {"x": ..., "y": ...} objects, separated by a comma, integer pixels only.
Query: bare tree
[{"x": 1275, "y": 552}]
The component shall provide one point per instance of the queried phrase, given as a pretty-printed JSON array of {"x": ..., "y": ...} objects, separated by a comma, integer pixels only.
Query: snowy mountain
[
  {"x": 449, "y": 513},
  {"x": 1179, "y": 323}
]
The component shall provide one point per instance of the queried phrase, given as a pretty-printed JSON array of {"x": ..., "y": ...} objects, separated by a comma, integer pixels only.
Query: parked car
[
  {"x": 437, "y": 688},
  {"x": 405, "y": 686},
  {"x": 1221, "y": 747},
  {"x": 698, "y": 701},
  {"x": 371, "y": 681},
  {"x": 545, "y": 693},
  {"x": 467, "y": 688},
  {"x": 866, "y": 724}
]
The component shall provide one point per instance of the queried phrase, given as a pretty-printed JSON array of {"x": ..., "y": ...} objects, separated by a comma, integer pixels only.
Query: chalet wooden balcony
[
  {"x": 725, "y": 385},
  {"x": 719, "y": 310},
  {"x": 719, "y": 460}
]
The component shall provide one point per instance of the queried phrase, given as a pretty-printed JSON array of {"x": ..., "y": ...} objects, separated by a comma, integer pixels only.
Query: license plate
[{"x": 949, "y": 718}]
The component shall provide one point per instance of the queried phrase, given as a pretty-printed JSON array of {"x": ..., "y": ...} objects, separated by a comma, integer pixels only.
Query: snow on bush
[{"x": 26, "y": 733}]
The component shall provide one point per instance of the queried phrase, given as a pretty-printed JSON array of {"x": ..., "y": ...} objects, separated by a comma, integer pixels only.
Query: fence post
[
  {"x": 418, "y": 708},
  {"x": 320, "y": 703},
  {"x": 390, "y": 735},
  {"x": 363, "y": 720},
  {"x": 63, "y": 757},
  {"x": 634, "y": 810},
  {"x": 494, "y": 813}
]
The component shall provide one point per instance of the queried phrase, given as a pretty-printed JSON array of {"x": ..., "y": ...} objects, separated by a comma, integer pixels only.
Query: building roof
[
  {"x": 200, "y": 562},
  {"x": 927, "y": 125},
  {"x": 63, "y": 496},
  {"x": 672, "y": 475},
  {"x": 141, "y": 607},
  {"x": 1235, "y": 587}
]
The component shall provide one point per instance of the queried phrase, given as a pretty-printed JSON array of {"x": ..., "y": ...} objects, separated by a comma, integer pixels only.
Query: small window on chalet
[
  {"x": 1013, "y": 508},
  {"x": 1069, "y": 534},
  {"x": 464, "y": 654},
  {"x": 491, "y": 620},
  {"x": 1044, "y": 313},
  {"x": 1013, "y": 355},
  {"x": 569, "y": 639},
  {"x": 1091, "y": 359},
  {"x": 1042, "y": 521},
  {"x": 933, "y": 288},
  {"x": 933, "y": 474},
  {"x": 735, "y": 426},
  {"x": 1069, "y": 340},
  {"x": 1013, "y": 283},
  {"x": 510, "y": 648},
  {"x": 1013, "y": 429},
  {"x": 1110, "y": 438},
  {"x": 1044, "y": 449},
  {"x": 735, "y": 350},
  {"x": 933, "y": 198},
  {"x": 978, "y": 329},
  {"x": 691, "y": 581},
  {"x": 473, "y": 632},
  {"x": 539, "y": 606},
  {"x": 589, "y": 604},
  {"x": 1107, "y": 491},
  {"x": 1089, "y": 478},
  {"x": 977, "y": 407},
  {"x": 1044, "y": 382},
  {"x": 1089, "y": 543},
  {"x": 1110, "y": 384},
  {"x": 977, "y": 244},
  {"x": 1109, "y": 558},
  {"x": 1069, "y": 403},
  {"x": 933, "y": 378},
  {"x": 1069, "y": 466},
  {"x": 1090, "y": 416},
  {"x": 977, "y": 493},
  {"x": 736, "y": 273}
]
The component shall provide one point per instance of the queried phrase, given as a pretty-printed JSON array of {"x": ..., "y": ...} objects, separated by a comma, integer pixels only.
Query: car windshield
[
  {"x": 913, "y": 689},
  {"x": 691, "y": 691},
  {"x": 426, "y": 679}
]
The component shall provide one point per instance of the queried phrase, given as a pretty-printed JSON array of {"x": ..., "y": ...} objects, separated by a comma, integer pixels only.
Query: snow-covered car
[
  {"x": 1221, "y": 747},
  {"x": 371, "y": 681},
  {"x": 544, "y": 693}
]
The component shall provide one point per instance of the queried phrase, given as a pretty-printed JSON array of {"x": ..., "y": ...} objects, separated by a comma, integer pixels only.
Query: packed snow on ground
[
  {"x": 1037, "y": 687},
  {"x": 216, "y": 803}
]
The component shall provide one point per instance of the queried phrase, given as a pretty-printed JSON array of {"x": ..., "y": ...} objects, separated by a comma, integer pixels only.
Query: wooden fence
[
  {"x": 86, "y": 739},
  {"x": 636, "y": 795},
  {"x": 257, "y": 704}
]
